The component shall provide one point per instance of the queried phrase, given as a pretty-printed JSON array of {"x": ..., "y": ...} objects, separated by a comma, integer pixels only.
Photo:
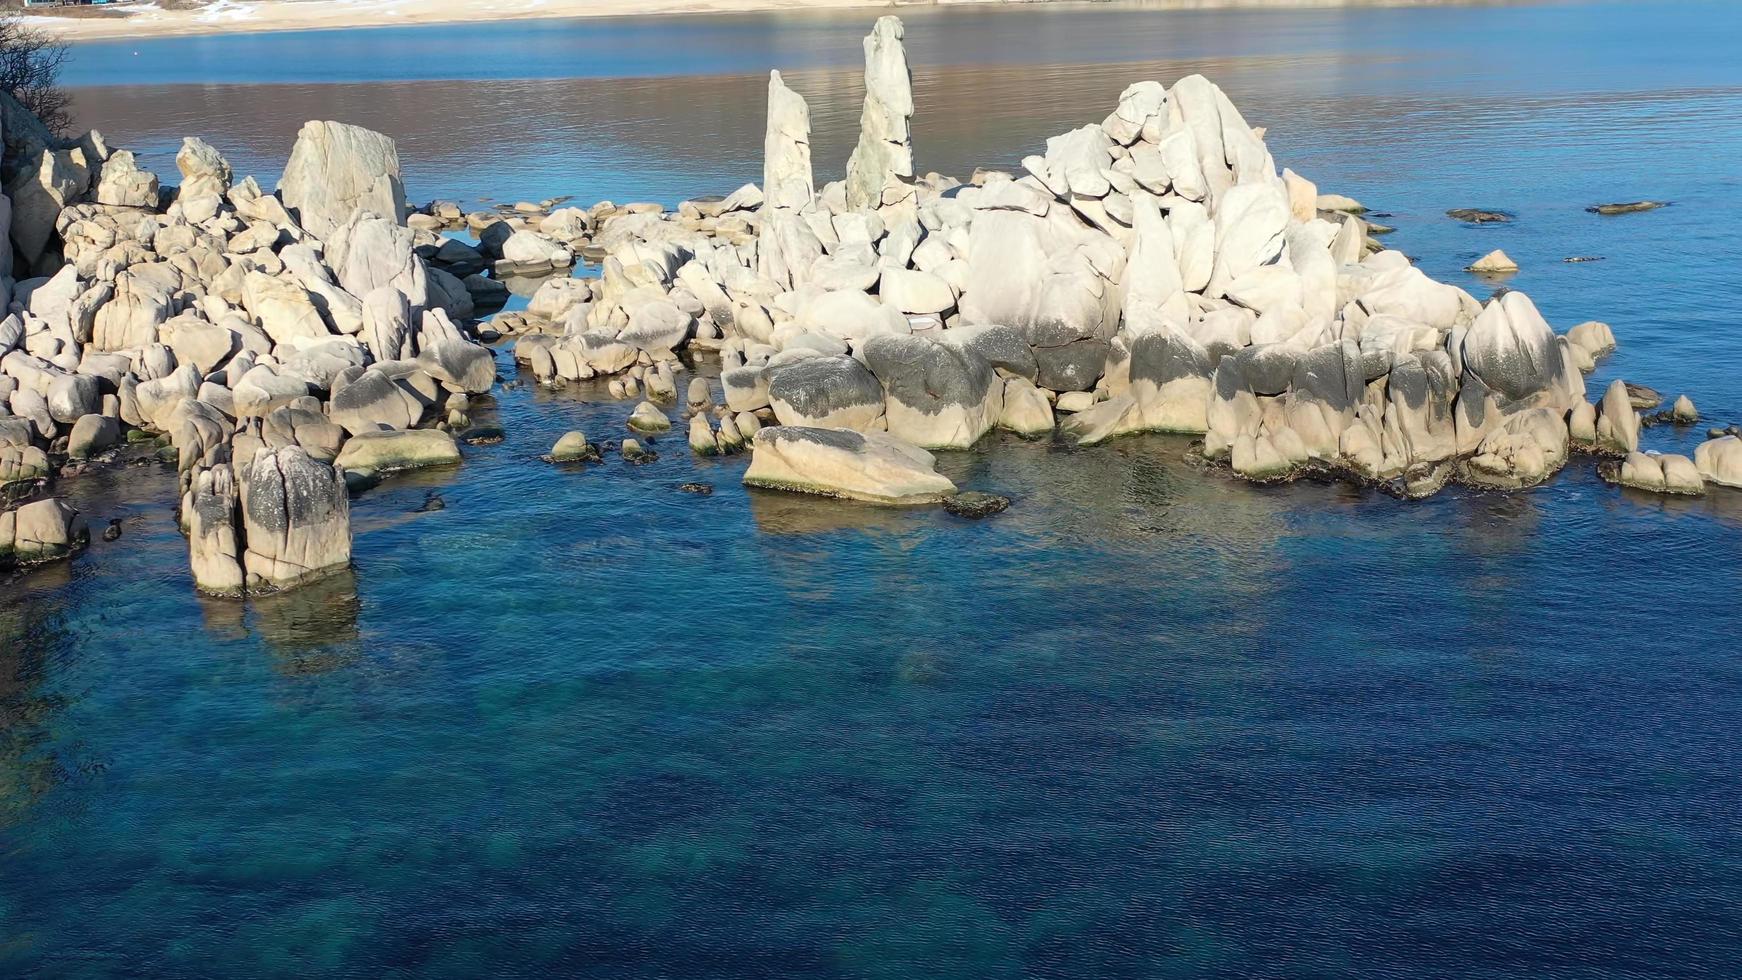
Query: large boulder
[
  {"x": 870, "y": 466},
  {"x": 296, "y": 518},
  {"x": 1720, "y": 461},
  {"x": 42, "y": 530},
  {"x": 374, "y": 401},
  {"x": 465, "y": 366},
  {"x": 283, "y": 309},
  {"x": 825, "y": 392},
  {"x": 369, "y": 251},
  {"x": 938, "y": 396},
  {"x": 335, "y": 170},
  {"x": 123, "y": 184}
]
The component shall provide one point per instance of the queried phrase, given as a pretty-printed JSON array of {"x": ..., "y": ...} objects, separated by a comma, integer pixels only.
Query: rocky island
[{"x": 1151, "y": 272}]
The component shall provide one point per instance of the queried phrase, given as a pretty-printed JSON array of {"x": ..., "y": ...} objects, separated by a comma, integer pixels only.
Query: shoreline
[{"x": 227, "y": 17}]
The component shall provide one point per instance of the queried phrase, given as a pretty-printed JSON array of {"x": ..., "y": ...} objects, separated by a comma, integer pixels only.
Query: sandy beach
[{"x": 149, "y": 19}]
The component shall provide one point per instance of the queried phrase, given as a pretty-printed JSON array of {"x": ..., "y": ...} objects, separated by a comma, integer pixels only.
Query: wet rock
[
  {"x": 1628, "y": 207},
  {"x": 1479, "y": 216},
  {"x": 1643, "y": 398},
  {"x": 1684, "y": 412},
  {"x": 113, "y": 531},
  {"x": 633, "y": 451},
  {"x": 384, "y": 452},
  {"x": 703, "y": 442},
  {"x": 432, "y": 501},
  {"x": 92, "y": 434},
  {"x": 844, "y": 463},
  {"x": 573, "y": 447},
  {"x": 1659, "y": 474},
  {"x": 700, "y": 489},
  {"x": 974, "y": 504},
  {"x": 483, "y": 435},
  {"x": 1026, "y": 411}
]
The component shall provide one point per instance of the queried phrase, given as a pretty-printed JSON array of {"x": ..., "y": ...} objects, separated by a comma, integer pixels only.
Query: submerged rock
[
  {"x": 1478, "y": 216},
  {"x": 1629, "y": 207},
  {"x": 974, "y": 504}
]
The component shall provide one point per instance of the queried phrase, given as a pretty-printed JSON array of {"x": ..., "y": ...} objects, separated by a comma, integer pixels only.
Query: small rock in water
[
  {"x": 1494, "y": 263},
  {"x": 1338, "y": 202},
  {"x": 704, "y": 489},
  {"x": 573, "y": 448},
  {"x": 431, "y": 501},
  {"x": 647, "y": 418},
  {"x": 1627, "y": 207},
  {"x": 1684, "y": 412},
  {"x": 635, "y": 453},
  {"x": 973, "y": 503},
  {"x": 1478, "y": 216},
  {"x": 113, "y": 531},
  {"x": 482, "y": 435},
  {"x": 1583, "y": 258}
]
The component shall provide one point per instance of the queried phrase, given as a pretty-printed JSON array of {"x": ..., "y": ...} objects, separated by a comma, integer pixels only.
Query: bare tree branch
[{"x": 30, "y": 64}]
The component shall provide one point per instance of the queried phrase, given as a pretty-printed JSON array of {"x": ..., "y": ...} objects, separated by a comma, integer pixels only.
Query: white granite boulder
[{"x": 834, "y": 462}]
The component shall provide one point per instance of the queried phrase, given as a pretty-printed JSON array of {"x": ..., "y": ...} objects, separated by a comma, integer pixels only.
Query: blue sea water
[{"x": 1150, "y": 722}]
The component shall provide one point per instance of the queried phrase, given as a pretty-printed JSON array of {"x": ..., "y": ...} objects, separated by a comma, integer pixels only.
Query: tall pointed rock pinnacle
[
  {"x": 786, "y": 148},
  {"x": 881, "y": 168}
]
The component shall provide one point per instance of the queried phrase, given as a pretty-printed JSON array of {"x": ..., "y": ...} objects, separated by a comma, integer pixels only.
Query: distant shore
[{"x": 144, "y": 20}]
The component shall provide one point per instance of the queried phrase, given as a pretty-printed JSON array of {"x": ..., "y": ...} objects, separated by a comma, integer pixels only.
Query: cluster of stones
[
  {"x": 1150, "y": 273},
  {"x": 279, "y": 346},
  {"x": 1153, "y": 272}
]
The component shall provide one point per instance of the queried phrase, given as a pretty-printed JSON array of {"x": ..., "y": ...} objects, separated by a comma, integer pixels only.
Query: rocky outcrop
[
  {"x": 336, "y": 170},
  {"x": 833, "y": 462}
]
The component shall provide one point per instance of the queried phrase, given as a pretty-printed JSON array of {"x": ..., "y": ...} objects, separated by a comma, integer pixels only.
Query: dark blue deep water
[{"x": 1150, "y": 722}]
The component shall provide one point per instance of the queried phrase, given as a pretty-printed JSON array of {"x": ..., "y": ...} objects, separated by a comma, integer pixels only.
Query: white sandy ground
[{"x": 146, "y": 19}]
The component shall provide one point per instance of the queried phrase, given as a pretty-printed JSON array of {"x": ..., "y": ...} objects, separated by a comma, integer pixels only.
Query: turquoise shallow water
[{"x": 1147, "y": 723}]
